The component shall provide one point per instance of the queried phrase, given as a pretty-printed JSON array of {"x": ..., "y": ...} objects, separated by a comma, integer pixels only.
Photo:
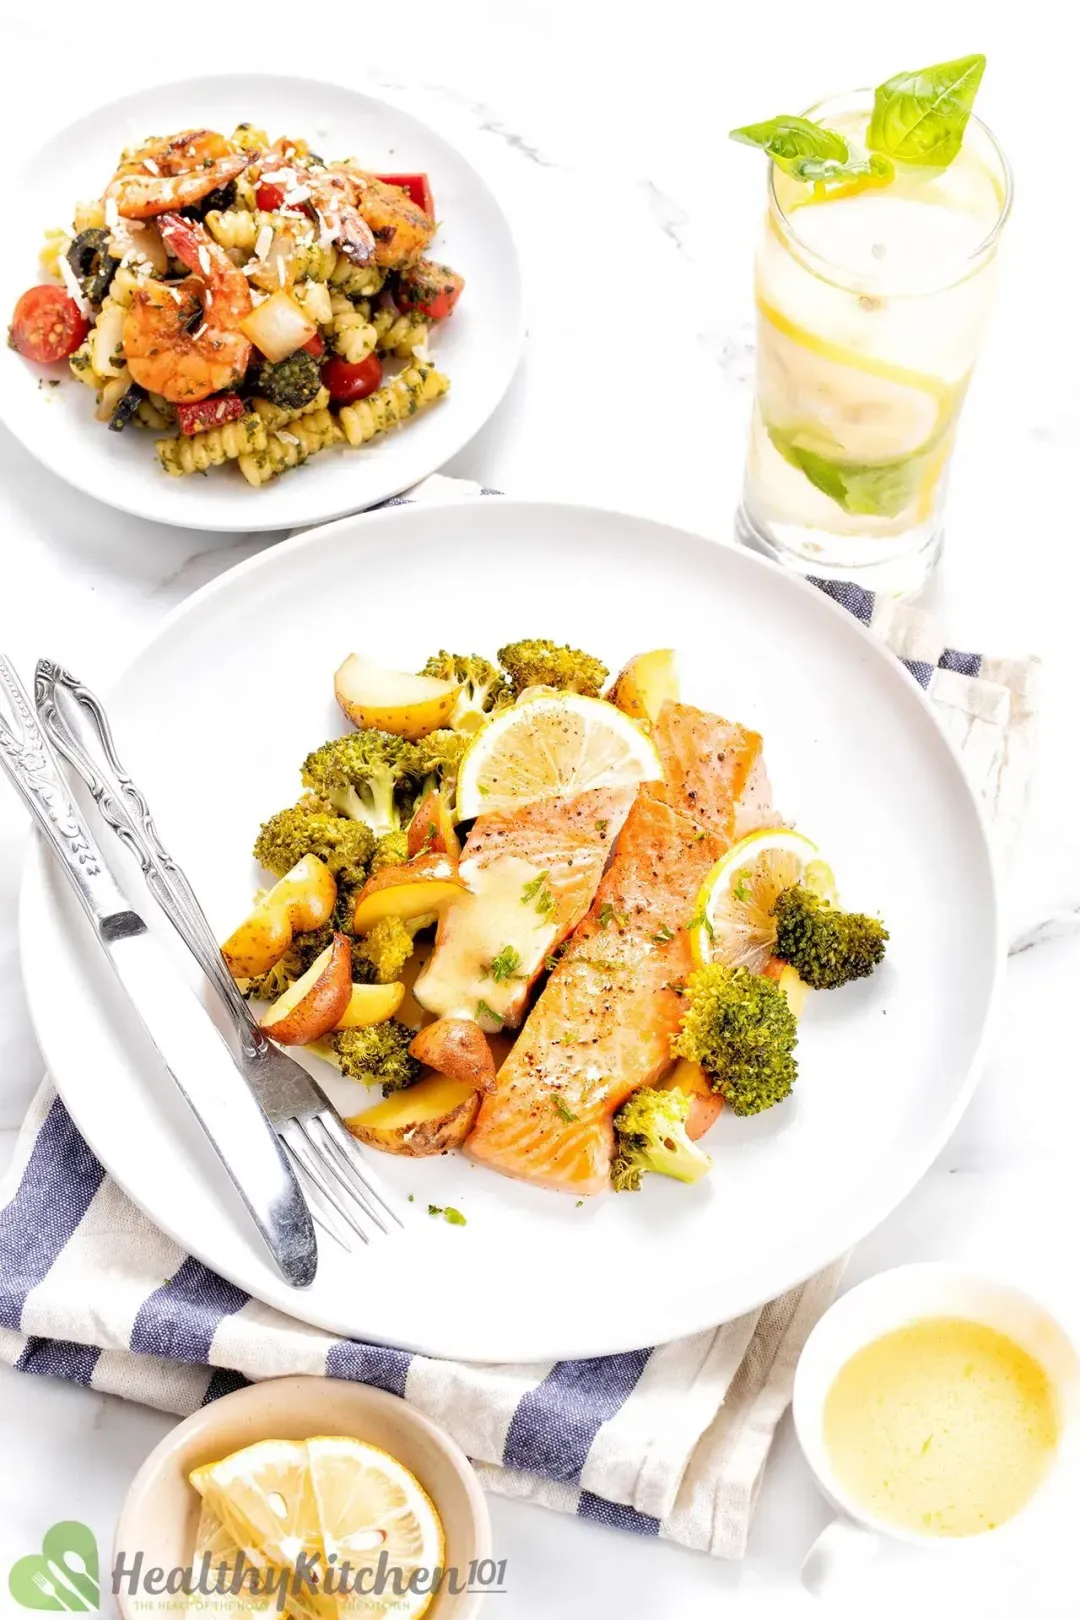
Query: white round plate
[
  {"x": 213, "y": 718},
  {"x": 478, "y": 347}
]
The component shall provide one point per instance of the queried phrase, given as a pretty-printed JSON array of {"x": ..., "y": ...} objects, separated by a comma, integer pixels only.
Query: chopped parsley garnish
[
  {"x": 533, "y": 887},
  {"x": 741, "y": 890},
  {"x": 484, "y": 1011},
  {"x": 608, "y": 914},
  {"x": 551, "y": 963},
  {"x": 505, "y": 965},
  {"x": 579, "y": 1203},
  {"x": 602, "y": 827},
  {"x": 562, "y": 1110},
  {"x": 452, "y": 1217},
  {"x": 700, "y": 920},
  {"x": 663, "y": 934}
]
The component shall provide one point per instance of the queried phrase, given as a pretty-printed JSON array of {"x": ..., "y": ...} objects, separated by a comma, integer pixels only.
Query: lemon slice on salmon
[
  {"x": 337, "y": 1502},
  {"x": 551, "y": 746},
  {"x": 732, "y": 921}
]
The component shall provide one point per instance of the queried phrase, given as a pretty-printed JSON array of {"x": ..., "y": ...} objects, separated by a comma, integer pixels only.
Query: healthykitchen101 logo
[{"x": 63, "y": 1576}]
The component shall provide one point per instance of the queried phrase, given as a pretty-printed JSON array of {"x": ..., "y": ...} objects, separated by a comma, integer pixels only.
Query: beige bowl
[{"x": 161, "y": 1512}]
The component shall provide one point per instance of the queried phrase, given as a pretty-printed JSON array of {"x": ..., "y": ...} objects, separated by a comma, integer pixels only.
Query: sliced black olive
[
  {"x": 291, "y": 383},
  {"x": 93, "y": 265},
  {"x": 220, "y": 198},
  {"x": 125, "y": 408}
]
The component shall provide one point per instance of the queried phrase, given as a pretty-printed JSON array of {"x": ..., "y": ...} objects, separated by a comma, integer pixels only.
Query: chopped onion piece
[{"x": 278, "y": 327}]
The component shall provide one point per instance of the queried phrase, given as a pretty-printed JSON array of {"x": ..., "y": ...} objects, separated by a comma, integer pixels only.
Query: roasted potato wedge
[
  {"x": 316, "y": 1002},
  {"x": 459, "y": 1048},
  {"x": 435, "y": 1114},
  {"x": 648, "y": 682},
  {"x": 784, "y": 975},
  {"x": 418, "y": 888},
  {"x": 371, "y": 1004},
  {"x": 304, "y": 898},
  {"x": 392, "y": 700},
  {"x": 705, "y": 1103}
]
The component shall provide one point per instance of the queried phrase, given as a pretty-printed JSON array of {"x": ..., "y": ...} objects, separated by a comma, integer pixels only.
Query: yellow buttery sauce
[{"x": 945, "y": 1427}]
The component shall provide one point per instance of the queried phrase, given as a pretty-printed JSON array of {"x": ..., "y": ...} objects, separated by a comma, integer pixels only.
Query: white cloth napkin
[{"x": 668, "y": 1441}]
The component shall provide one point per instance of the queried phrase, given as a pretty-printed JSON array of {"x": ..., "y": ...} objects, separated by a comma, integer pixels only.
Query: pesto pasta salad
[{"x": 245, "y": 300}]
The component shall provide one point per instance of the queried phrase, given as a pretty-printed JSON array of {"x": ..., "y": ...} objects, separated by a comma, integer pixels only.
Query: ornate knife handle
[
  {"x": 124, "y": 807},
  {"x": 33, "y": 768}
]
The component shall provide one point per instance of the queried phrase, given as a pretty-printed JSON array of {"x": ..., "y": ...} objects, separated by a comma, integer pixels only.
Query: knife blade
[{"x": 192, "y": 1051}]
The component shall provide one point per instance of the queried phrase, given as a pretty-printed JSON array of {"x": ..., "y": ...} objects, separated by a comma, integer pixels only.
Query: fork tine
[
  {"x": 350, "y": 1152},
  {"x": 324, "y": 1144},
  {"x": 321, "y": 1211},
  {"x": 316, "y": 1169}
]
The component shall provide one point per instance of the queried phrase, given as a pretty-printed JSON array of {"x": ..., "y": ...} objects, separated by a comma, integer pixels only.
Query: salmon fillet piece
[
  {"x": 707, "y": 763},
  {"x": 531, "y": 874},
  {"x": 603, "y": 1024}
]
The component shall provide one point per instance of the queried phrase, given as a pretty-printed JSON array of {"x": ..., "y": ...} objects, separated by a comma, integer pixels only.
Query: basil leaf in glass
[
  {"x": 920, "y": 117},
  {"x": 804, "y": 150}
]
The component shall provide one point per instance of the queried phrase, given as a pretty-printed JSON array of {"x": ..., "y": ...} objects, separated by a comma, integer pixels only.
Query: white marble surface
[{"x": 602, "y": 129}]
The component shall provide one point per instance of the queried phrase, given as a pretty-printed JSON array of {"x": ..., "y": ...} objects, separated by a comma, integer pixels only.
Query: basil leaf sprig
[
  {"x": 920, "y": 117},
  {"x": 811, "y": 153}
]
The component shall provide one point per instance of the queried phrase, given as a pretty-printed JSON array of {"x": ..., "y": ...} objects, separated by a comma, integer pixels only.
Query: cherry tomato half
[
  {"x": 314, "y": 346},
  {"x": 47, "y": 325},
  {"x": 418, "y": 187},
  {"x": 348, "y": 383},
  {"x": 268, "y": 197}
]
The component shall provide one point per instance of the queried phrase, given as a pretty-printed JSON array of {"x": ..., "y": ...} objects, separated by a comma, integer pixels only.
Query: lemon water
[{"x": 871, "y": 308}]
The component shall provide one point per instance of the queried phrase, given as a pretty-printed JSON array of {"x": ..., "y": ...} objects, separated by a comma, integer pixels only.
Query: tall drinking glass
[{"x": 871, "y": 310}]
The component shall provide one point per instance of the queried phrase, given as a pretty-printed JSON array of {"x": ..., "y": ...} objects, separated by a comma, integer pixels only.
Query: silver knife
[{"x": 192, "y": 1051}]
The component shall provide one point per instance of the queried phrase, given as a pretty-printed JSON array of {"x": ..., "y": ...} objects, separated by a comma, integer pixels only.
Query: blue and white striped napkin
[{"x": 668, "y": 1441}]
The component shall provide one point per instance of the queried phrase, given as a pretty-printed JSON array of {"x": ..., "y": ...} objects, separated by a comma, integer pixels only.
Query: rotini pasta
[
  {"x": 290, "y": 447},
  {"x": 210, "y": 448},
  {"x": 357, "y": 280},
  {"x": 274, "y": 416},
  {"x": 403, "y": 334},
  {"x": 352, "y": 336},
  {"x": 53, "y": 250},
  {"x": 395, "y": 402},
  {"x": 253, "y": 315}
]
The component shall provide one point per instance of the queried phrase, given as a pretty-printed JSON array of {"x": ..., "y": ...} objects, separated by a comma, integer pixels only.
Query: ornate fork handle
[
  {"x": 32, "y": 767},
  {"x": 125, "y": 808}
]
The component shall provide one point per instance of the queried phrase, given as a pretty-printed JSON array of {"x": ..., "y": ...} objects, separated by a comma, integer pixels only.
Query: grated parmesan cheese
[
  {"x": 71, "y": 283},
  {"x": 263, "y": 241},
  {"x": 204, "y": 261},
  {"x": 287, "y": 438},
  {"x": 148, "y": 163},
  {"x": 112, "y": 213}
]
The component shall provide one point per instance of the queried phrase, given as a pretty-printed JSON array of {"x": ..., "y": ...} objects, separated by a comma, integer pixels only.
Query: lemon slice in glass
[
  {"x": 549, "y": 746},
  {"x": 732, "y": 921}
]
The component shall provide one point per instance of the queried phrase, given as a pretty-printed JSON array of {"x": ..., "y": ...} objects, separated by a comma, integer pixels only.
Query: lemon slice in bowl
[
  {"x": 732, "y": 921},
  {"x": 552, "y": 745},
  {"x": 338, "y": 1504},
  {"x": 369, "y": 1504}
]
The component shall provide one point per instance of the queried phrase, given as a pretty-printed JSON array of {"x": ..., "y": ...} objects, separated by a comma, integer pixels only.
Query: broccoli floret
[
  {"x": 544, "y": 663},
  {"x": 361, "y": 776},
  {"x": 827, "y": 947},
  {"x": 651, "y": 1135},
  {"x": 290, "y": 383},
  {"x": 387, "y": 949},
  {"x": 345, "y": 845},
  {"x": 483, "y": 687},
  {"x": 437, "y": 757},
  {"x": 739, "y": 1027},
  {"x": 390, "y": 850},
  {"x": 376, "y": 1054}
]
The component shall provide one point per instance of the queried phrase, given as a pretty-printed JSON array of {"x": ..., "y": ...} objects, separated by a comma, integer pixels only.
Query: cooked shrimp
[
  {"x": 184, "y": 342},
  {"x": 333, "y": 196},
  {"x": 401, "y": 230},
  {"x": 174, "y": 173}
]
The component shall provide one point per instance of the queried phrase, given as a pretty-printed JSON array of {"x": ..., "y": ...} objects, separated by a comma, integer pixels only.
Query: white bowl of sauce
[{"x": 934, "y": 1406}]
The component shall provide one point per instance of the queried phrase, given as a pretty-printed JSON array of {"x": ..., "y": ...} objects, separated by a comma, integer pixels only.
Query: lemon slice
[
  {"x": 334, "y": 1502},
  {"x": 733, "y": 921},
  {"x": 213, "y": 1542},
  {"x": 369, "y": 1504},
  {"x": 550, "y": 746}
]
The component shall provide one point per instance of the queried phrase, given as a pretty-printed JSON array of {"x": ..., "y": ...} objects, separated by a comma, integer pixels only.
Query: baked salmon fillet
[
  {"x": 531, "y": 875},
  {"x": 603, "y": 1024}
]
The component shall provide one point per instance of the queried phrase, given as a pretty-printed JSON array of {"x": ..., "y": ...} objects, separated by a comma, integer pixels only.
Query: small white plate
[
  {"x": 478, "y": 347},
  {"x": 214, "y": 717}
]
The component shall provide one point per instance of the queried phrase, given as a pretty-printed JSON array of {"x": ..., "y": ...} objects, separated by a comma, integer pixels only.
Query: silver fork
[{"x": 310, "y": 1127}]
